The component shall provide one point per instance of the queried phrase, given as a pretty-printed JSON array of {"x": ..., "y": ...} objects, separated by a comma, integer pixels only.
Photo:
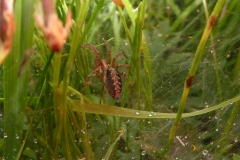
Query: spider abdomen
[
  {"x": 106, "y": 72},
  {"x": 113, "y": 83}
]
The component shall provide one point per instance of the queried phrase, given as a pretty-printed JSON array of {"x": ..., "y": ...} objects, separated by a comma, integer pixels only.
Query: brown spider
[{"x": 107, "y": 72}]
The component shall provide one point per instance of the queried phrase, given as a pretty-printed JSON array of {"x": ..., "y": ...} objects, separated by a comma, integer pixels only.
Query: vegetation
[{"x": 184, "y": 66}]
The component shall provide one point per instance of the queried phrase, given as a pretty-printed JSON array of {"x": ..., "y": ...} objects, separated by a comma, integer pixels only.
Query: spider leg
[
  {"x": 103, "y": 79},
  {"x": 130, "y": 85},
  {"x": 108, "y": 52},
  {"x": 115, "y": 58},
  {"x": 88, "y": 77},
  {"x": 122, "y": 65},
  {"x": 94, "y": 50},
  {"x": 101, "y": 94}
]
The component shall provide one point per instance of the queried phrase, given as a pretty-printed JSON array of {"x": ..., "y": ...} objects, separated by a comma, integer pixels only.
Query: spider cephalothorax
[{"x": 107, "y": 72}]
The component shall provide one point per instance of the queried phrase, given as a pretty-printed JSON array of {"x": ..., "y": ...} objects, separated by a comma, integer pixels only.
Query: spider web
[{"x": 172, "y": 55}]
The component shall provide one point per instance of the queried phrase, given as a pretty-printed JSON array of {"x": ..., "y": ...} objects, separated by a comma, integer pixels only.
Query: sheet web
[
  {"x": 197, "y": 137},
  {"x": 171, "y": 55}
]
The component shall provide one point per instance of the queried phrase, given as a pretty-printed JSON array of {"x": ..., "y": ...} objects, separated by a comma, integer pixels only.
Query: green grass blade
[
  {"x": 110, "y": 149},
  {"x": 12, "y": 107},
  {"x": 42, "y": 76},
  {"x": 125, "y": 26},
  {"x": 190, "y": 77},
  {"x": 192, "y": 7},
  {"x": 132, "y": 113},
  {"x": 137, "y": 42},
  {"x": 15, "y": 89}
]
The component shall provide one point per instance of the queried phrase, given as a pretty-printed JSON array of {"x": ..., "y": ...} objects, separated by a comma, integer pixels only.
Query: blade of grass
[
  {"x": 27, "y": 29},
  {"x": 148, "y": 70},
  {"x": 57, "y": 103},
  {"x": 192, "y": 7},
  {"x": 88, "y": 151},
  {"x": 90, "y": 22},
  {"x": 13, "y": 111},
  {"x": 137, "y": 43},
  {"x": 174, "y": 7},
  {"x": 82, "y": 59},
  {"x": 213, "y": 51},
  {"x": 132, "y": 113},
  {"x": 15, "y": 91},
  {"x": 190, "y": 77},
  {"x": 129, "y": 9},
  {"x": 20, "y": 151},
  {"x": 41, "y": 78},
  {"x": 110, "y": 149},
  {"x": 125, "y": 26},
  {"x": 74, "y": 46},
  {"x": 73, "y": 50}
]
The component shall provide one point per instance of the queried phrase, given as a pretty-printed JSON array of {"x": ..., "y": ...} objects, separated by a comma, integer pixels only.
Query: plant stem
[
  {"x": 41, "y": 78},
  {"x": 74, "y": 46},
  {"x": 137, "y": 42},
  {"x": 57, "y": 104},
  {"x": 213, "y": 51},
  {"x": 190, "y": 77},
  {"x": 15, "y": 88},
  {"x": 125, "y": 27},
  {"x": 90, "y": 22}
]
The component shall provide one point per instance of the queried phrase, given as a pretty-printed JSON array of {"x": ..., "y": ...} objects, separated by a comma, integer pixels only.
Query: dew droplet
[
  {"x": 137, "y": 112},
  {"x": 143, "y": 153},
  {"x": 35, "y": 140},
  {"x": 4, "y": 135},
  {"x": 17, "y": 136},
  {"x": 150, "y": 115},
  {"x": 83, "y": 131},
  {"x": 205, "y": 152}
]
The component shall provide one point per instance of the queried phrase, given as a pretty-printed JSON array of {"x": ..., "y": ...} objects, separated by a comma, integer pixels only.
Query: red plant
[
  {"x": 53, "y": 29},
  {"x": 7, "y": 28}
]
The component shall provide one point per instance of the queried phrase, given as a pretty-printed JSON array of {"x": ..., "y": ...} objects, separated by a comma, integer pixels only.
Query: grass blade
[
  {"x": 15, "y": 89},
  {"x": 190, "y": 77},
  {"x": 110, "y": 149}
]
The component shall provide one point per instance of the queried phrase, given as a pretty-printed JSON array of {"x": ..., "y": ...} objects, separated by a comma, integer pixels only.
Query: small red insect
[{"x": 107, "y": 72}]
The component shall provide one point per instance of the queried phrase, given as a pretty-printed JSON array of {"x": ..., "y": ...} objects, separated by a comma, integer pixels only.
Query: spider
[{"x": 107, "y": 72}]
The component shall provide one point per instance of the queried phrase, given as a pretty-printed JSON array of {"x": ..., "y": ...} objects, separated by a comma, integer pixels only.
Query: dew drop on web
[
  {"x": 4, "y": 135},
  {"x": 205, "y": 152},
  {"x": 35, "y": 140},
  {"x": 143, "y": 153}
]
